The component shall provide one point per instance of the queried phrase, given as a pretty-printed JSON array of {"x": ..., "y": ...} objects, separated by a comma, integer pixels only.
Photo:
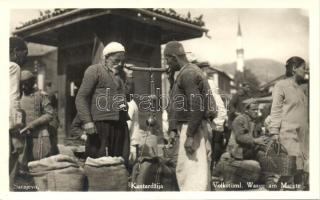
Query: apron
[{"x": 193, "y": 171}]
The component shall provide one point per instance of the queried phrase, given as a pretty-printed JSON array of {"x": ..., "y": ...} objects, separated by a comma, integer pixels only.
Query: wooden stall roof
[{"x": 46, "y": 28}]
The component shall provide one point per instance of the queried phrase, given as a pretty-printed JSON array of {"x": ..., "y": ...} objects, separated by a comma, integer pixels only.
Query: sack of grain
[
  {"x": 238, "y": 171},
  {"x": 106, "y": 174},
  {"x": 153, "y": 174},
  {"x": 57, "y": 173}
]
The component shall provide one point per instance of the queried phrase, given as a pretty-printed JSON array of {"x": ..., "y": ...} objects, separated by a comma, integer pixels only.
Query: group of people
[
  {"x": 245, "y": 132},
  {"x": 285, "y": 123},
  {"x": 33, "y": 119},
  {"x": 108, "y": 118}
]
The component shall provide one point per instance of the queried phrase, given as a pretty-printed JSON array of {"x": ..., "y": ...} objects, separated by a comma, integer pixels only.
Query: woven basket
[{"x": 276, "y": 160}]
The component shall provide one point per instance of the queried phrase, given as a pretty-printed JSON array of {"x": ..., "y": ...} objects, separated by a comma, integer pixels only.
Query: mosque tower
[{"x": 240, "y": 51}]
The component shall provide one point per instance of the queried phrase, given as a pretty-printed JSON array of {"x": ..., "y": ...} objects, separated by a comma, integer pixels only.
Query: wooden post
[{"x": 62, "y": 93}]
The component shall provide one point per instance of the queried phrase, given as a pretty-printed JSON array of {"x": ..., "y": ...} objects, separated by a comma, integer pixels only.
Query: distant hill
[{"x": 265, "y": 69}]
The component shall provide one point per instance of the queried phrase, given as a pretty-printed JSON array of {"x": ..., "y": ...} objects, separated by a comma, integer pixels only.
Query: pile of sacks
[{"x": 63, "y": 173}]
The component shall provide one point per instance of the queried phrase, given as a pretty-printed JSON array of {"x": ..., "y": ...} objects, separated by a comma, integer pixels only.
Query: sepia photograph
[{"x": 154, "y": 99}]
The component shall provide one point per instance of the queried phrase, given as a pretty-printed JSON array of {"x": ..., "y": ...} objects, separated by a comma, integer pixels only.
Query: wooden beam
[
  {"x": 187, "y": 31},
  {"x": 61, "y": 21},
  {"x": 144, "y": 43},
  {"x": 78, "y": 42},
  {"x": 40, "y": 40},
  {"x": 171, "y": 20},
  {"x": 184, "y": 32}
]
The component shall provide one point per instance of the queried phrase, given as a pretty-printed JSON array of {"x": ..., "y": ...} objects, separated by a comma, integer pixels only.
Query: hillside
[{"x": 265, "y": 69}]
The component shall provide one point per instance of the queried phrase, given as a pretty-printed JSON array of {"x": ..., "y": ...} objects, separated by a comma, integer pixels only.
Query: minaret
[{"x": 240, "y": 51}]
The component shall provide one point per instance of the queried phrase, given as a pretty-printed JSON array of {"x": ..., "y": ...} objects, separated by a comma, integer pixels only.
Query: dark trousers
[
  {"x": 113, "y": 135},
  {"x": 17, "y": 157},
  {"x": 217, "y": 146}
]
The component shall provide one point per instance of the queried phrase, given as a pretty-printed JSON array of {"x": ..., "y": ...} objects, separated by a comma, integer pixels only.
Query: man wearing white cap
[{"x": 101, "y": 106}]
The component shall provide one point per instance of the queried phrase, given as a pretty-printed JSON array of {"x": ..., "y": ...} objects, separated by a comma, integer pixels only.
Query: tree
[{"x": 249, "y": 77}]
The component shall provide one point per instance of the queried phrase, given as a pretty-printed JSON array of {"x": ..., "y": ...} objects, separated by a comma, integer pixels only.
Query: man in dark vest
[{"x": 191, "y": 104}]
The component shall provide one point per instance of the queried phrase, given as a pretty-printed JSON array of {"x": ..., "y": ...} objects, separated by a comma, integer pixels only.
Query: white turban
[{"x": 113, "y": 47}]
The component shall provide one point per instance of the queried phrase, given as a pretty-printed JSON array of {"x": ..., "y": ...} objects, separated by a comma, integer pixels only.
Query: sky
[
  {"x": 275, "y": 33},
  {"x": 267, "y": 33}
]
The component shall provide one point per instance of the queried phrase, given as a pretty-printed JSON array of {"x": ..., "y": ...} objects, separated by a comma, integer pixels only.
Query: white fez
[{"x": 113, "y": 47}]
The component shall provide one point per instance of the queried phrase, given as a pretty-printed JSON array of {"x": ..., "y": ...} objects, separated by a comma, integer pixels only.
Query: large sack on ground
[
  {"x": 153, "y": 174},
  {"x": 57, "y": 173},
  {"x": 106, "y": 174},
  {"x": 237, "y": 171}
]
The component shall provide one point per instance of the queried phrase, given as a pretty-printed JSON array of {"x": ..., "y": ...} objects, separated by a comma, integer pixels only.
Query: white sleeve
[
  {"x": 131, "y": 109},
  {"x": 130, "y": 113},
  {"x": 221, "y": 110},
  {"x": 14, "y": 82}
]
